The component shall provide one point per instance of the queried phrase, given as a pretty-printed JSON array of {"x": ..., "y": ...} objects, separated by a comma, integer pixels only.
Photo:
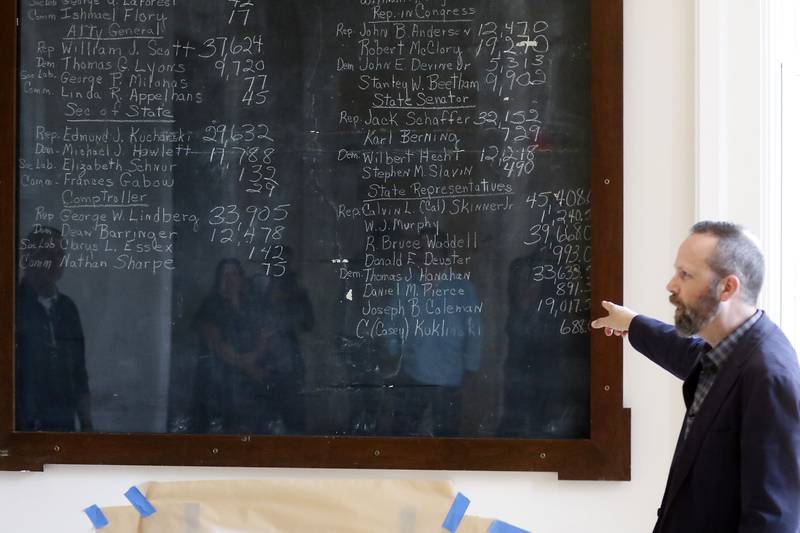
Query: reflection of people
[
  {"x": 544, "y": 372},
  {"x": 285, "y": 312},
  {"x": 51, "y": 379},
  {"x": 363, "y": 357},
  {"x": 228, "y": 375},
  {"x": 441, "y": 351},
  {"x": 737, "y": 462}
]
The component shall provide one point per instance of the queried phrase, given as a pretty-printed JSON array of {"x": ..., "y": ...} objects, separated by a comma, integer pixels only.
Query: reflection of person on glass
[
  {"x": 543, "y": 394},
  {"x": 227, "y": 374},
  {"x": 51, "y": 380},
  {"x": 363, "y": 357},
  {"x": 285, "y": 312},
  {"x": 443, "y": 347}
]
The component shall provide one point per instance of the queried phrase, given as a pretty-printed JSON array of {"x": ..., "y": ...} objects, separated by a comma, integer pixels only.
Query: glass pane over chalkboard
[{"x": 308, "y": 218}]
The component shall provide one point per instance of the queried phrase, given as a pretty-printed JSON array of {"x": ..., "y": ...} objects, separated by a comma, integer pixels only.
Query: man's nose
[{"x": 671, "y": 287}]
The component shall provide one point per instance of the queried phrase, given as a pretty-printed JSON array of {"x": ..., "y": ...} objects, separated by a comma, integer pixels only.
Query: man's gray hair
[{"x": 736, "y": 254}]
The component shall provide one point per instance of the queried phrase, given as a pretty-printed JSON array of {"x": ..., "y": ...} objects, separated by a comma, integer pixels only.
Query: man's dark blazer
[{"x": 738, "y": 471}]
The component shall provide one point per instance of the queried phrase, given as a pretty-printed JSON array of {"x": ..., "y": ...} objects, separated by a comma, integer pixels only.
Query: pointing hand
[{"x": 618, "y": 320}]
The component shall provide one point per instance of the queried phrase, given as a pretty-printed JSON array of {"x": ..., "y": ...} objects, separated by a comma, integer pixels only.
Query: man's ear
[{"x": 729, "y": 287}]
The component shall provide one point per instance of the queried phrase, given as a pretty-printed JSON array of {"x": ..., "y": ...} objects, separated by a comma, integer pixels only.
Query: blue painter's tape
[
  {"x": 456, "y": 513},
  {"x": 97, "y": 517},
  {"x": 138, "y": 500},
  {"x": 498, "y": 526}
]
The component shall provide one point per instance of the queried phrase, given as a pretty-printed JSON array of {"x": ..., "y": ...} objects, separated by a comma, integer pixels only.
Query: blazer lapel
[
  {"x": 687, "y": 449},
  {"x": 690, "y": 385}
]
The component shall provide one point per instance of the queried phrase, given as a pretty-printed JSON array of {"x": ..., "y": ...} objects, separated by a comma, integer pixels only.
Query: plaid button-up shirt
[{"x": 712, "y": 361}]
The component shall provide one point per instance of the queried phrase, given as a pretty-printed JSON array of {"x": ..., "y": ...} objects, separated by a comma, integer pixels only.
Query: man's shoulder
[
  {"x": 771, "y": 354},
  {"x": 66, "y": 302},
  {"x": 767, "y": 337}
]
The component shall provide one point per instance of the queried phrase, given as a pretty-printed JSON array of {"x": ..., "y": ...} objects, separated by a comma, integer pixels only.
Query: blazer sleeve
[
  {"x": 770, "y": 442},
  {"x": 660, "y": 343}
]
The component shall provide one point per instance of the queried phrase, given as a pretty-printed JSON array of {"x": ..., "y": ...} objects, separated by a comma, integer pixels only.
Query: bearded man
[{"x": 736, "y": 466}]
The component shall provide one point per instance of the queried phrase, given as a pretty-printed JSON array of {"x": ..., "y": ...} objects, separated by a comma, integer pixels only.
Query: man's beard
[{"x": 689, "y": 320}]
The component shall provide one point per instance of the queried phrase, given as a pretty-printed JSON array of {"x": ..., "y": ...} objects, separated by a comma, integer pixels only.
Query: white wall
[
  {"x": 730, "y": 81},
  {"x": 659, "y": 207},
  {"x": 741, "y": 85}
]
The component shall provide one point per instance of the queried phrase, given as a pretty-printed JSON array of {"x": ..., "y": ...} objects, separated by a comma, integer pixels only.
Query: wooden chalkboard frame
[{"x": 606, "y": 455}]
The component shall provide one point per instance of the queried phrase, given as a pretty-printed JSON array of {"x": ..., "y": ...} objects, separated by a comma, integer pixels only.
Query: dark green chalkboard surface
[{"x": 279, "y": 222}]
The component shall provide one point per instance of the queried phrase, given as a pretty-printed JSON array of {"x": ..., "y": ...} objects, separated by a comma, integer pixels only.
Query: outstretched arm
[{"x": 657, "y": 341}]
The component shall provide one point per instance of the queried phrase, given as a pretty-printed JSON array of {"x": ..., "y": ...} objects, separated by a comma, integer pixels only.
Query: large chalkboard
[{"x": 283, "y": 220}]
